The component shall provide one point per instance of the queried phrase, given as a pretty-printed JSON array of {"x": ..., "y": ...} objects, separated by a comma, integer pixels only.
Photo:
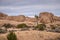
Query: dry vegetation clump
[
  {"x": 11, "y": 36},
  {"x": 40, "y": 27}
]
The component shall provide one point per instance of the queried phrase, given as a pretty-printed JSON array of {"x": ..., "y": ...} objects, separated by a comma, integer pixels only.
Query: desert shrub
[
  {"x": 40, "y": 27},
  {"x": 57, "y": 30},
  {"x": 2, "y": 31},
  {"x": 22, "y": 26},
  {"x": 7, "y": 25},
  {"x": 11, "y": 36},
  {"x": 53, "y": 27}
]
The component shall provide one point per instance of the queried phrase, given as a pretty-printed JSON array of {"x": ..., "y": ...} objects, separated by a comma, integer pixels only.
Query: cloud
[
  {"x": 29, "y": 10},
  {"x": 29, "y": 7},
  {"x": 28, "y": 2}
]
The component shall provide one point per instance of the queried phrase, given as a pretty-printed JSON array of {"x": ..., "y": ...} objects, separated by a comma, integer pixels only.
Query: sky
[{"x": 29, "y": 7}]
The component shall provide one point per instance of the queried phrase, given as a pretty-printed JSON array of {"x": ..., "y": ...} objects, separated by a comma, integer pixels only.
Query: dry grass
[
  {"x": 36, "y": 35},
  {"x": 3, "y": 37},
  {"x": 33, "y": 35}
]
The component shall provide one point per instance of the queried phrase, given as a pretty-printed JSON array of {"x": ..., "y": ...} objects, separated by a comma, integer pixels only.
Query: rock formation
[
  {"x": 20, "y": 18},
  {"x": 28, "y": 19},
  {"x": 44, "y": 17},
  {"x": 3, "y": 15}
]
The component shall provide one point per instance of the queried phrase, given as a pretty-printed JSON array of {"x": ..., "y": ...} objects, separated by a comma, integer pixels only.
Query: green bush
[
  {"x": 22, "y": 25},
  {"x": 40, "y": 27},
  {"x": 11, "y": 36}
]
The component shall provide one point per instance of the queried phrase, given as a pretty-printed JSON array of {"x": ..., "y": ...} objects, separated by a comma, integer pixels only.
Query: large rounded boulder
[{"x": 46, "y": 17}]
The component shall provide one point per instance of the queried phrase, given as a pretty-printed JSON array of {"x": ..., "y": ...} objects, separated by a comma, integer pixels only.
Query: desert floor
[{"x": 33, "y": 35}]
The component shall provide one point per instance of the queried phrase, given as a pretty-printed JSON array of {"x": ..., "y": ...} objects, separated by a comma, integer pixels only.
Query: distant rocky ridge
[{"x": 44, "y": 17}]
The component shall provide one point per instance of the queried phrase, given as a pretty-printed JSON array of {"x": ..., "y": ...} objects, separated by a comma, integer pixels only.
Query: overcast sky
[{"x": 29, "y": 7}]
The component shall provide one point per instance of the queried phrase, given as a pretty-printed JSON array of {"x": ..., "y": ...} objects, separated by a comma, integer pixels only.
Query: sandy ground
[
  {"x": 33, "y": 35},
  {"x": 36, "y": 35}
]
